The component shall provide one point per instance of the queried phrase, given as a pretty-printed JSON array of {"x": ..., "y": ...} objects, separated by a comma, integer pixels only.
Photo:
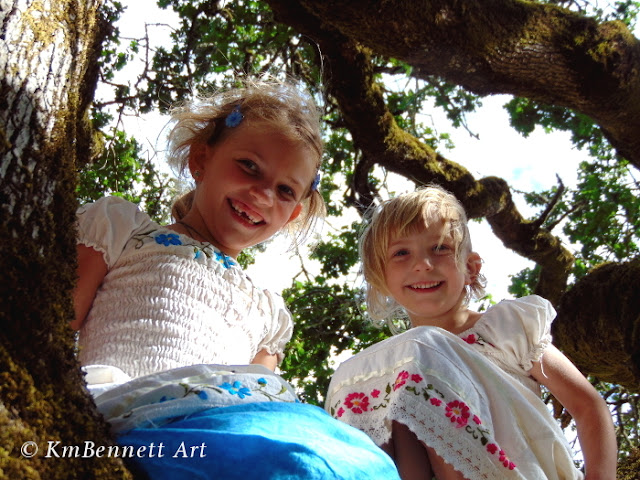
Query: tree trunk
[{"x": 48, "y": 73}]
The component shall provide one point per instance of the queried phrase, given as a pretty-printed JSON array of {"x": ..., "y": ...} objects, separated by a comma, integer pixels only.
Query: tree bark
[
  {"x": 600, "y": 313},
  {"x": 48, "y": 73}
]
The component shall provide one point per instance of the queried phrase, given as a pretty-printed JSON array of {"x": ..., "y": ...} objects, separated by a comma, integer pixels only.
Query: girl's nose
[
  {"x": 263, "y": 194},
  {"x": 423, "y": 262}
]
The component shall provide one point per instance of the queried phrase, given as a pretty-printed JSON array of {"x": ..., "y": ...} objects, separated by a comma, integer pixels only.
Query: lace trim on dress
[
  {"x": 535, "y": 355},
  {"x": 96, "y": 247},
  {"x": 438, "y": 417}
]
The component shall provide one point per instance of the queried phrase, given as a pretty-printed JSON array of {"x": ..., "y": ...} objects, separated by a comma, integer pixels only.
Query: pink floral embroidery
[
  {"x": 505, "y": 461},
  {"x": 357, "y": 402},
  {"x": 456, "y": 410},
  {"x": 475, "y": 338},
  {"x": 492, "y": 448},
  {"x": 401, "y": 380},
  {"x": 458, "y": 413},
  {"x": 471, "y": 339}
]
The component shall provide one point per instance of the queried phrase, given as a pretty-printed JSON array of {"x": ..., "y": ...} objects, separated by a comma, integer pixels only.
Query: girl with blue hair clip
[{"x": 179, "y": 345}]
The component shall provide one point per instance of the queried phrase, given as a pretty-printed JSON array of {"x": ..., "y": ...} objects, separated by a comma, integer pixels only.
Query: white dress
[
  {"x": 468, "y": 396},
  {"x": 198, "y": 306}
]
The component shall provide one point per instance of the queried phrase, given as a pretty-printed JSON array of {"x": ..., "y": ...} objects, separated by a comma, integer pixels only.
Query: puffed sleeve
[
  {"x": 281, "y": 327},
  {"x": 519, "y": 330},
  {"x": 107, "y": 224}
]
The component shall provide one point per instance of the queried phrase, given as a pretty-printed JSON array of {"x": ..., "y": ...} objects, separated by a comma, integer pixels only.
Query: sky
[{"x": 525, "y": 163}]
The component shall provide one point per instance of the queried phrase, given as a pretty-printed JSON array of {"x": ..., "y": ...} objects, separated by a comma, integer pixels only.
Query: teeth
[
  {"x": 249, "y": 217},
  {"x": 425, "y": 285}
]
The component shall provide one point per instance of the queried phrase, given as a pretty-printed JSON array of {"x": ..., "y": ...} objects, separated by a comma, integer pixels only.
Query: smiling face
[
  {"x": 422, "y": 275},
  {"x": 250, "y": 185}
]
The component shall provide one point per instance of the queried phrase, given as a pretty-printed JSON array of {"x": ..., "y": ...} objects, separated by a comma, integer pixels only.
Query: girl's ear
[
  {"x": 474, "y": 264},
  {"x": 296, "y": 211},
  {"x": 197, "y": 158}
]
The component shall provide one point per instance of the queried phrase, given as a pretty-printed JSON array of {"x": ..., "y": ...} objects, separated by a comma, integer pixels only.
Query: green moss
[
  {"x": 13, "y": 434},
  {"x": 629, "y": 468}
]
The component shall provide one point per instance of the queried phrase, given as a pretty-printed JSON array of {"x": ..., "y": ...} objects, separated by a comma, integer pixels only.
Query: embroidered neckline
[
  {"x": 223, "y": 258},
  {"x": 172, "y": 238}
]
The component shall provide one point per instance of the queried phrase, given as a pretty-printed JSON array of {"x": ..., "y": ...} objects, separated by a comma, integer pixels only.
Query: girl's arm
[
  {"x": 267, "y": 359},
  {"x": 588, "y": 409},
  {"x": 91, "y": 271}
]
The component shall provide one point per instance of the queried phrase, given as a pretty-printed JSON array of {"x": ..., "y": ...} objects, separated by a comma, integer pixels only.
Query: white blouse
[{"x": 168, "y": 300}]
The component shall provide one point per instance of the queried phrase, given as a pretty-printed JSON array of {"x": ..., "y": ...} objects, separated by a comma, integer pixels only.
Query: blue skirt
[{"x": 273, "y": 440}]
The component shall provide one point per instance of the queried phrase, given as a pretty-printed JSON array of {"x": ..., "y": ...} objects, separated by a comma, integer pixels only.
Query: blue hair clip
[
  {"x": 316, "y": 182},
  {"x": 234, "y": 118}
]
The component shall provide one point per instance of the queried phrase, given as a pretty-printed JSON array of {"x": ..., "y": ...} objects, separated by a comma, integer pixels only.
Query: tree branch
[
  {"x": 534, "y": 50},
  {"x": 538, "y": 222}
]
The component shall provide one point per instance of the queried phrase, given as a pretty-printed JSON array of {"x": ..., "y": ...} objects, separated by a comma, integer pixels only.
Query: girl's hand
[
  {"x": 267, "y": 359},
  {"x": 593, "y": 419},
  {"x": 91, "y": 271}
]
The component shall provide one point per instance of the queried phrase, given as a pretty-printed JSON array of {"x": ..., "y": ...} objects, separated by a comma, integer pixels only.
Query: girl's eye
[
  {"x": 442, "y": 249},
  {"x": 287, "y": 191},
  {"x": 401, "y": 253},
  {"x": 248, "y": 165}
]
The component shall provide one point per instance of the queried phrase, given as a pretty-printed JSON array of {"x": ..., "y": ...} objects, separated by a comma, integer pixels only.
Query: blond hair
[
  {"x": 275, "y": 104},
  {"x": 402, "y": 216}
]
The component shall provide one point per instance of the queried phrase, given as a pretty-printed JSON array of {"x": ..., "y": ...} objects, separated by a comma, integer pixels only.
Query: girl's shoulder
[
  {"x": 108, "y": 223},
  {"x": 530, "y": 315},
  {"x": 114, "y": 211},
  {"x": 118, "y": 229},
  {"x": 521, "y": 309},
  {"x": 519, "y": 328}
]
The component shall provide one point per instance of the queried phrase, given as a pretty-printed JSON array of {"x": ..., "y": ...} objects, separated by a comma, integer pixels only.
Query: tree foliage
[{"x": 376, "y": 68}]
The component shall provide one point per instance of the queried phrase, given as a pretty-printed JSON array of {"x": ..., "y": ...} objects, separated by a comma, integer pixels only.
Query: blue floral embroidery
[
  {"x": 199, "y": 249},
  {"x": 236, "y": 389},
  {"x": 168, "y": 239},
  {"x": 224, "y": 260},
  {"x": 262, "y": 381}
]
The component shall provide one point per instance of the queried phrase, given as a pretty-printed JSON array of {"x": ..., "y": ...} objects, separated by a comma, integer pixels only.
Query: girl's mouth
[{"x": 245, "y": 213}]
